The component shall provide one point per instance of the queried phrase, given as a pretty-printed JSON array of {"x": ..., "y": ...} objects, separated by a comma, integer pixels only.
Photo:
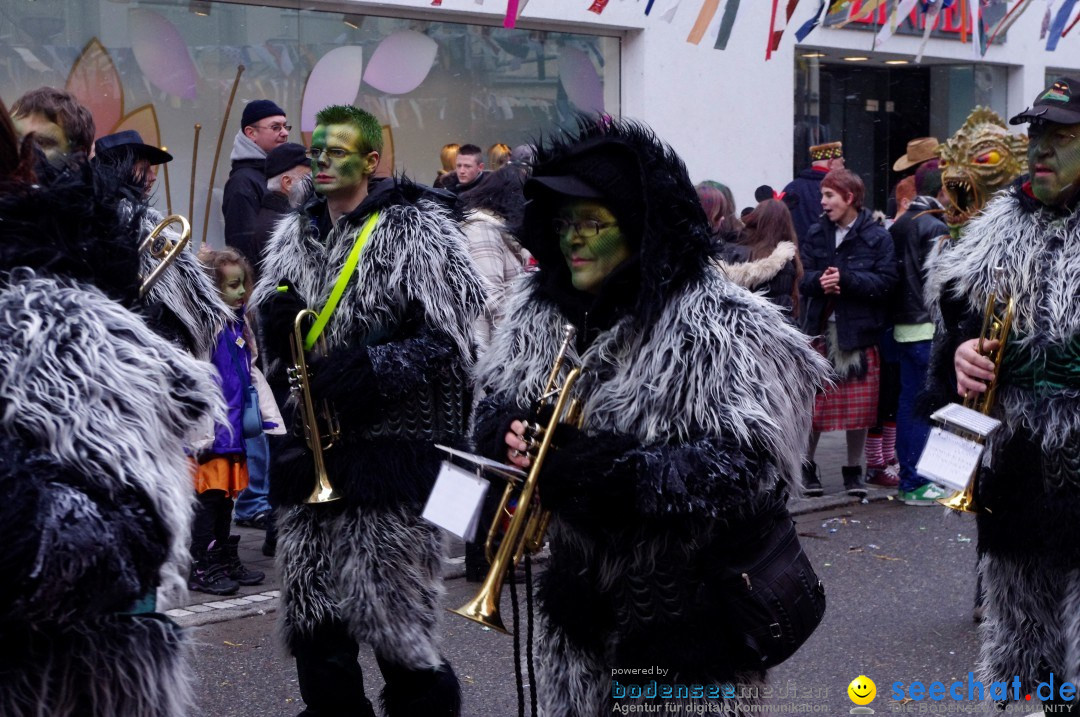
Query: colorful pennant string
[
  {"x": 809, "y": 26},
  {"x": 598, "y": 6},
  {"x": 705, "y": 16},
  {"x": 776, "y": 30},
  {"x": 1057, "y": 27},
  {"x": 726, "y": 23}
]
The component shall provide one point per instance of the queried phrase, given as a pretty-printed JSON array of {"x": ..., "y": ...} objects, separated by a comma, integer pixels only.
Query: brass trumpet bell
[
  {"x": 163, "y": 248},
  {"x": 320, "y": 423}
]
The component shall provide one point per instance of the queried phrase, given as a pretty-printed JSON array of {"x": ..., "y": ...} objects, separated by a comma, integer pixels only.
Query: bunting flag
[
  {"x": 1071, "y": 26},
  {"x": 865, "y": 10},
  {"x": 705, "y": 16},
  {"x": 900, "y": 12},
  {"x": 648, "y": 7},
  {"x": 1010, "y": 17},
  {"x": 1046, "y": 20},
  {"x": 932, "y": 13},
  {"x": 514, "y": 8},
  {"x": 670, "y": 14},
  {"x": 809, "y": 26},
  {"x": 778, "y": 25},
  {"x": 839, "y": 13},
  {"x": 598, "y": 6},
  {"x": 726, "y": 23},
  {"x": 992, "y": 15},
  {"x": 1057, "y": 27}
]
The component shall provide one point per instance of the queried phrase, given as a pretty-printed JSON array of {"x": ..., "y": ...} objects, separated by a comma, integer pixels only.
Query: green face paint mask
[
  {"x": 329, "y": 173},
  {"x": 591, "y": 242},
  {"x": 1054, "y": 162}
]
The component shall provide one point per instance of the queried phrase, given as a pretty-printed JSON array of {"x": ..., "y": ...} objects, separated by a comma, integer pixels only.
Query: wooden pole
[
  {"x": 194, "y": 163},
  {"x": 168, "y": 191},
  {"x": 217, "y": 151}
]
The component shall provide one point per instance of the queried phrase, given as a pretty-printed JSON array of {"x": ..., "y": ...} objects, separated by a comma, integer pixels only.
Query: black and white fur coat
[
  {"x": 1030, "y": 480},
  {"x": 697, "y": 400},
  {"x": 400, "y": 344},
  {"x": 94, "y": 411}
]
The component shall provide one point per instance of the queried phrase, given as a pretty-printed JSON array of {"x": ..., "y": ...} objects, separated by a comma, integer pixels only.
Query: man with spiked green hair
[{"x": 384, "y": 264}]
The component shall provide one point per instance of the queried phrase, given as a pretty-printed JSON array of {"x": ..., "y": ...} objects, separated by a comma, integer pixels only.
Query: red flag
[
  {"x": 776, "y": 31},
  {"x": 598, "y": 6}
]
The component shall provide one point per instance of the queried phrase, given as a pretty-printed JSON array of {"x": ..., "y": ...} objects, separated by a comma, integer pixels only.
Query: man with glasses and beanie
[
  {"x": 262, "y": 128},
  {"x": 1028, "y": 487},
  {"x": 384, "y": 263}
]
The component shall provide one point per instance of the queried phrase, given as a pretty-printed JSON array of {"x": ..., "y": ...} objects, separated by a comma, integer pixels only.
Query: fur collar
[
  {"x": 750, "y": 274},
  {"x": 718, "y": 362},
  {"x": 416, "y": 254}
]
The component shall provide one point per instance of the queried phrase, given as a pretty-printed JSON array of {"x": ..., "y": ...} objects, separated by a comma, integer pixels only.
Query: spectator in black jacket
[
  {"x": 287, "y": 183},
  {"x": 806, "y": 211},
  {"x": 849, "y": 269},
  {"x": 262, "y": 127},
  {"x": 914, "y": 235}
]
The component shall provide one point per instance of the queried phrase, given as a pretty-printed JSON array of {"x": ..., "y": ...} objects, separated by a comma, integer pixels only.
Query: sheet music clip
[
  {"x": 966, "y": 422},
  {"x": 486, "y": 465}
]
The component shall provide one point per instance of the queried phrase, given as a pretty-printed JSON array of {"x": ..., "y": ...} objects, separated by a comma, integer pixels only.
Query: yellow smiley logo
[{"x": 862, "y": 690}]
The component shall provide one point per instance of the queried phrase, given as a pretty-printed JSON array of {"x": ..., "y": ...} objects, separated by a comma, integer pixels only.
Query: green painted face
[
  {"x": 1054, "y": 162},
  {"x": 591, "y": 258},
  {"x": 333, "y": 174},
  {"x": 232, "y": 285}
]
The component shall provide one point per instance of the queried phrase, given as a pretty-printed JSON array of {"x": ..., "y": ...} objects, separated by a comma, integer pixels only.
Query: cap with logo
[{"x": 1059, "y": 103}]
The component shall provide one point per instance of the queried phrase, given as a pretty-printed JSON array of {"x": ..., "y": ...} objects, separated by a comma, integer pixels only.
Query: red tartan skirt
[{"x": 851, "y": 404}]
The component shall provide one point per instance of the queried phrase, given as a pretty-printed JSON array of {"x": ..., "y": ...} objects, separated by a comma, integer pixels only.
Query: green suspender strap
[{"x": 342, "y": 281}]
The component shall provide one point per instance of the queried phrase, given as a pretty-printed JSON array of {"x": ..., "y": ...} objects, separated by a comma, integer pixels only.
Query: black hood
[
  {"x": 382, "y": 192},
  {"x": 81, "y": 221},
  {"x": 645, "y": 184}
]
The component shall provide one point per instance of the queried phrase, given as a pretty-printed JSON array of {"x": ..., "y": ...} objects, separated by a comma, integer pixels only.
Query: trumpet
[
  {"x": 997, "y": 322},
  {"x": 320, "y": 423},
  {"x": 163, "y": 248},
  {"x": 528, "y": 522}
]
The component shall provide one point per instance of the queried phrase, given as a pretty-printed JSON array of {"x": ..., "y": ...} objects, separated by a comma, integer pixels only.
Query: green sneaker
[{"x": 927, "y": 494}]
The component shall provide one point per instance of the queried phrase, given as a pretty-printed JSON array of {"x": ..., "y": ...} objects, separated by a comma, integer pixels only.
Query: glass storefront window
[{"x": 163, "y": 66}]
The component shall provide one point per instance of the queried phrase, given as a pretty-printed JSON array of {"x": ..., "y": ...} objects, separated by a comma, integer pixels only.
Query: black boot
[
  {"x": 853, "y": 481},
  {"x": 269, "y": 546},
  {"x": 208, "y": 574},
  {"x": 234, "y": 568},
  {"x": 408, "y": 692},
  {"x": 811, "y": 483}
]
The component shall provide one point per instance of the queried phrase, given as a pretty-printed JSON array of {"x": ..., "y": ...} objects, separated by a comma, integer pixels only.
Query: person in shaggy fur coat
[
  {"x": 697, "y": 399},
  {"x": 95, "y": 410},
  {"x": 366, "y": 568},
  {"x": 1028, "y": 488}
]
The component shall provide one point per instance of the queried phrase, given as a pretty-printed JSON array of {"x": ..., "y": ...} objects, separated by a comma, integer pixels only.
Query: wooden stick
[
  {"x": 168, "y": 191},
  {"x": 217, "y": 151},
  {"x": 194, "y": 159}
]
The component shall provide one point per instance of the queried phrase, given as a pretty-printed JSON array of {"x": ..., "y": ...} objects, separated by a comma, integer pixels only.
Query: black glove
[
  {"x": 579, "y": 479},
  {"x": 278, "y": 315},
  {"x": 346, "y": 378}
]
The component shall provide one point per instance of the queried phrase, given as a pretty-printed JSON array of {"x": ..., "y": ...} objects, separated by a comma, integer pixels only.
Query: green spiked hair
[{"x": 370, "y": 130}]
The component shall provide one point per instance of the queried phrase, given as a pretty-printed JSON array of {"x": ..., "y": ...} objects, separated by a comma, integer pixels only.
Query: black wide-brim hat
[
  {"x": 130, "y": 141},
  {"x": 1059, "y": 103}
]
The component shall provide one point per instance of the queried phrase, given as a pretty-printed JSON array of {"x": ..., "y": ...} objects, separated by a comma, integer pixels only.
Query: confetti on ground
[
  {"x": 231, "y": 644},
  {"x": 879, "y": 556}
]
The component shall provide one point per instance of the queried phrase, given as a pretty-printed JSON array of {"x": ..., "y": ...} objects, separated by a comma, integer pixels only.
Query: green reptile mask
[{"x": 979, "y": 160}]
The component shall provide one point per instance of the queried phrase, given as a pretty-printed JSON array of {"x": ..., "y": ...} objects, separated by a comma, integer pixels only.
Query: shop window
[{"x": 164, "y": 66}]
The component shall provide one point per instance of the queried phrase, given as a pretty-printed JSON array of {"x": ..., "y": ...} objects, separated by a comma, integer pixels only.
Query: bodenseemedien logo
[{"x": 862, "y": 692}]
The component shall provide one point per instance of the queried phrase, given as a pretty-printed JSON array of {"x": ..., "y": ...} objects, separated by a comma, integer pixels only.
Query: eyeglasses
[
  {"x": 276, "y": 127},
  {"x": 585, "y": 229},
  {"x": 331, "y": 152}
]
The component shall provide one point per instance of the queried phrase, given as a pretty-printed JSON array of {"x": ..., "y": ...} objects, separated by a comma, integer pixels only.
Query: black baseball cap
[
  {"x": 130, "y": 140},
  {"x": 283, "y": 158},
  {"x": 1060, "y": 103}
]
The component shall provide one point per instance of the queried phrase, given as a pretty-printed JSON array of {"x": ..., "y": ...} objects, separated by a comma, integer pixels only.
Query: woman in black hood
[{"x": 697, "y": 399}]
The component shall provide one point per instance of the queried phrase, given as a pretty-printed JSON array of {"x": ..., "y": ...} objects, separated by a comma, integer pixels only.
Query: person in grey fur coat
[
  {"x": 697, "y": 401},
  {"x": 366, "y": 568},
  {"x": 95, "y": 409},
  {"x": 1028, "y": 488}
]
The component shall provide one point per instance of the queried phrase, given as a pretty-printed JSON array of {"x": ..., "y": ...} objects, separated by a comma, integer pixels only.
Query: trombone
[
  {"x": 997, "y": 322},
  {"x": 163, "y": 248},
  {"x": 528, "y": 522},
  {"x": 320, "y": 423}
]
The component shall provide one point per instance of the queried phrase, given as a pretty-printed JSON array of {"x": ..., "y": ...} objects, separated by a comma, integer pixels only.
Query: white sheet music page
[
  {"x": 455, "y": 501},
  {"x": 948, "y": 459},
  {"x": 953, "y": 414}
]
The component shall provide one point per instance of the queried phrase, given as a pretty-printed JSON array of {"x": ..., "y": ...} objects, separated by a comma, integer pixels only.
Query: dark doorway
[{"x": 873, "y": 110}]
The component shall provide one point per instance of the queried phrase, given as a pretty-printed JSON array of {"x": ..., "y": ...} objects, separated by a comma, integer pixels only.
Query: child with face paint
[
  {"x": 696, "y": 400},
  {"x": 1028, "y": 487},
  {"x": 222, "y": 471}
]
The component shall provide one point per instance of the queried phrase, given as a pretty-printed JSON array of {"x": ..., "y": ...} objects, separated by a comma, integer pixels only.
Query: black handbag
[{"x": 773, "y": 600}]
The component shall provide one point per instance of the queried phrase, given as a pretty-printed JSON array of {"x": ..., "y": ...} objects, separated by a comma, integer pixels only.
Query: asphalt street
[{"x": 899, "y": 580}]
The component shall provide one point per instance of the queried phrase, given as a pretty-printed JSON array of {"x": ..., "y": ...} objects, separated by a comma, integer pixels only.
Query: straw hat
[{"x": 918, "y": 151}]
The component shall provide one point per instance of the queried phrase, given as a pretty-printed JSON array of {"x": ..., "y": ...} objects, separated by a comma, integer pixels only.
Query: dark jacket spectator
[
  {"x": 773, "y": 266},
  {"x": 867, "y": 265},
  {"x": 807, "y": 210},
  {"x": 914, "y": 236},
  {"x": 287, "y": 185},
  {"x": 262, "y": 128}
]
